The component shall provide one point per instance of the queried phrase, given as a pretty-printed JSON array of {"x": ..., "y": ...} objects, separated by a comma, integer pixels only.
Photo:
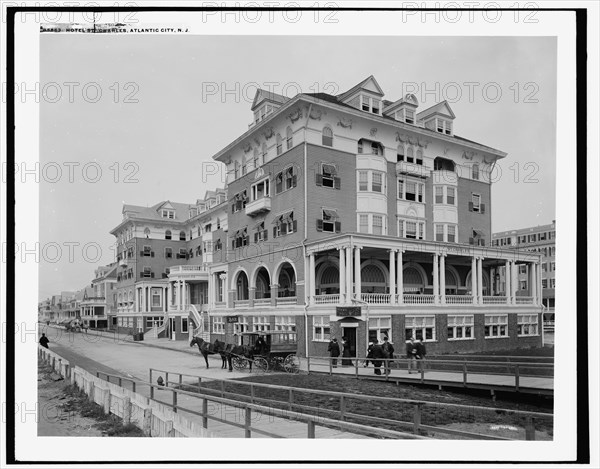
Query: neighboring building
[
  {"x": 98, "y": 302},
  {"x": 538, "y": 239},
  {"x": 45, "y": 313},
  {"x": 354, "y": 216},
  {"x": 163, "y": 256}
]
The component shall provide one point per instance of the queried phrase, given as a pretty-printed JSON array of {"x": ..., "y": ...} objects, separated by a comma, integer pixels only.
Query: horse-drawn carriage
[{"x": 272, "y": 351}]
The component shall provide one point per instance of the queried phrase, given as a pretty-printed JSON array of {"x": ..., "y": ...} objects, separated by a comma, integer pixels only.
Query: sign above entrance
[
  {"x": 347, "y": 311},
  {"x": 232, "y": 319}
]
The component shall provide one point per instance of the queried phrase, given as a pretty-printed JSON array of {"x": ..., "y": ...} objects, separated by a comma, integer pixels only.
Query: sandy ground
[{"x": 54, "y": 421}]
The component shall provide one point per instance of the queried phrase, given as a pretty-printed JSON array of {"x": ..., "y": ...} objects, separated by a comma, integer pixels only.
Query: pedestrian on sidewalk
[
  {"x": 411, "y": 354},
  {"x": 334, "y": 351},
  {"x": 376, "y": 356},
  {"x": 388, "y": 354},
  {"x": 346, "y": 352},
  {"x": 369, "y": 353},
  {"x": 44, "y": 341},
  {"x": 421, "y": 352}
]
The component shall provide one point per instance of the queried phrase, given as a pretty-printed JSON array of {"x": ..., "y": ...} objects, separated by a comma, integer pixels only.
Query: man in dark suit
[
  {"x": 376, "y": 355},
  {"x": 334, "y": 351}
]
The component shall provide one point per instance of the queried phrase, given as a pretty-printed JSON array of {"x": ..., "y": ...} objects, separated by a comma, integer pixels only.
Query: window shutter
[
  {"x": 142, "y": 253},
  {"x": 482, "y": 208},
  {"x": 266, "y": 234},
  {"x": 471, "y": 241},
  {"x": 232, "y": 208},
  {"x": 151, "y": 253},
  {"x": 141, "y": 274},
  {"x": 256, "y": 237},
  {"x": 294, "y": 180},
  {"x": 337, "y": 183},
  {"x": 278, "y": 187},
  {"x": 295, "y": 225},
  {"x": 151, "y": 274},
  {"x": 274, "y": 232},
  {"x": 338, "y": 226},
  {"x": 470, "y": 206},
  {"x": 319, "y": 179},
  {"x": 284, "y": 228},
  {"x": 319, "y": 225}
]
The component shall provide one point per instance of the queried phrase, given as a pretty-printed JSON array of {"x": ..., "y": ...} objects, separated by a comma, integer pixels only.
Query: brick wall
[{"x": 468, "y": 221}]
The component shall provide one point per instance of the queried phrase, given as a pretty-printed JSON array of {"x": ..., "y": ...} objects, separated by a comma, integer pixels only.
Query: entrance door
[
  {"x": 350, "y": 334},
  {"x": 172, "y": 328}
]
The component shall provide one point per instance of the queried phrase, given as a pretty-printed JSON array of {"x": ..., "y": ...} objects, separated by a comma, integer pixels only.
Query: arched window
[
  {"x": 475, "y": 172},
  {"x": 419, "y": 156},
  {"x": 410, "y": 155},
  {"x": 131, "y": 296},
  {"x": 372, "y": 274},
  {"x": 327, "y": 139},
  {"x": 413, "y": 280},
  {"x": 255, "y": 158},
  {"x": 182, "y": 236},
  {"x": 147, "y": 232},
  {"x": 279, "y": 144},
  {"x": 265, "y": 151},
  {"x": 400, "y": 153},
  {"x": 168, "y": 234},
  {"x": 289, "y": 138}
]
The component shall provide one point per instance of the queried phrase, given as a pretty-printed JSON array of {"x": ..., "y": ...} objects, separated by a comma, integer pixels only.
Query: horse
[
  {"x": 206, "y": 349},
  {"x": 227, "y": 351}
]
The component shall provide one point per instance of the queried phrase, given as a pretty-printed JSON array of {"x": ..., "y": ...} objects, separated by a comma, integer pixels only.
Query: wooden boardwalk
[{"x": 493, "y": 382}]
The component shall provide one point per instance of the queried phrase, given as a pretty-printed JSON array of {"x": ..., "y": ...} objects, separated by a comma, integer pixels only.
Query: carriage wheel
[
  {"x": 239, "y": 363},
  {"x": 261, "y": 364},
  {"x": 291, "y": 364}
]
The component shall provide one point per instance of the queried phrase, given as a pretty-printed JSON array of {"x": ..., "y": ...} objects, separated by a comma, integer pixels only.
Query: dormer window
[
  {"x": 369, "y": 104},
  {"x": 165, "y": 213},
  {"x": 405, "y": 115},
  {"x": 444, "y": 126}
]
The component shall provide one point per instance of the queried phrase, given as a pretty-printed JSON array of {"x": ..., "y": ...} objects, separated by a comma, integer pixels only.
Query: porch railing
[
  {"x": 262, "y": 302},
  {"x": 287, "y": 300},
  {"x": 459, "y": 299},
  {"x": 494, "y": 300},
  {"x": 188, "y": 268},
  {"x": 412, "y": 299},
  {"x": 524, "y": 300},
  {"x": 376, "y": 298},
  {"x": 327, "y": 299},
  {"x": 241, "y": 303}
]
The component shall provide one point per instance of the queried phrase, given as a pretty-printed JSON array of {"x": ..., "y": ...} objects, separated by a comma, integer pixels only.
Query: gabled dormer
[
  {"x": 404, "y": 110},
  {"x": 166, "y": 210},
  {"x": 366, "y": 96},
  {"x": 265, "y": 103},
  {"x": 438, "y": 118}
]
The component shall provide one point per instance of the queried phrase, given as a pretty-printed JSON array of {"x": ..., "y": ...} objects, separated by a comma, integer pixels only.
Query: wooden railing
[
  {"x": 459, "y": 299},
  {"x": 376, "y": 298},
  {"x": 413, "y": 299},
  {"x": 494, "y": 300}
]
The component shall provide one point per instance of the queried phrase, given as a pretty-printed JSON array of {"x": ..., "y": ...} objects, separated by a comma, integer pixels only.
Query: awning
[
  {"x": 329, "y": 169},
  {"x": 478, "y": 234},
  {"x": 259, "y": 225},
  {"x": 330, "y": 213},
  {"x": 277, "y": 220}
]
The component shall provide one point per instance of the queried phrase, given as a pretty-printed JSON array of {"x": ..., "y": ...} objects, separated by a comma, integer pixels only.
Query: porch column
[
  {"x": 223, "y": 278},
  {"x": 274, "y": 294},
  {"x": 507, "y": 282},
  {"x": 312, "y": 280},
  {"x": 165, "y": 298},
  {"x": 251, "y": 293},
  {"x": 480, "y": 280},
  {"x": 540, "y": 289},
  {"x": 348, "y": 274},
  {"x": 514, "y": 282},
  {"x": 474, "y": 279},
  {"x": 443, "y": 278},
  {"x": 532, "y": 282},
  {"x": 392, "y": 276},
  {"x": 357, "y": 279},
  {"x": 185, "y": 295},
  {"x": 436, "y": 279},
  {"x": 144, "y": 304},
  {"x": 136, "y": 300},
  {"x": 400, "y": 277},
  {"x": 342, "y": 275}
]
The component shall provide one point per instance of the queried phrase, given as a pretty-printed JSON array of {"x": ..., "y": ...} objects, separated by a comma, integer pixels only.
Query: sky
[{"x": 168, "y": 103}]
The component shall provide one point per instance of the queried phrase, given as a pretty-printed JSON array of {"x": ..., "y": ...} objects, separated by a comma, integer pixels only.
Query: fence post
[
  {"x": 356, "y": 368},
  {"x": 60, "y": 366},
  {"x": 169, "y": 428},
  {"x": 517, "y": 378},
  {"x": 92, "y": 390},
  {"x": 126, "y": 411},
  {"x": 180, "y": 379},
  {"x": 311, "y": 429},
  {"x": 147, "y": 423},
  {"x": 247, "y": 423},
  {"x": 342, "y": 408},
  {"x": 120, "y": 382},
  {"x": 417, "y": 418},
  {"x": 529, "y": 429},
  {"x": 252, "y": 393},
  {"x": 205, "y": 413},
  {"x": 151, "y": 391},
  {"x": 422, "y": 366},
  {"x": 222, "y": 388},
  {"x": 199, "y": 383},
  {"x": 150, "y": 378},
  {"x": 465, "y": 373},
  {"x": 166, "y": 379},
  {"x": 175, "y": 400},
  {"x": 72, "y": 372},
  {"x": 133, "y": 386},
  {"x": 307, "y": 364},
  {"x": 291, "y": 399},
  {"x": 330, "y": 367},
  {"x": 106, "y": 400}
]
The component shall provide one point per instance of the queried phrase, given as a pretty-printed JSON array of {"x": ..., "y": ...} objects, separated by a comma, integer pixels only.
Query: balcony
[
  {"x": 287, "y": 300},
  {"x": 413, "y": 169},
  {"x": 258, "y": 206},
  {"x": 189, "y": 272},
  {"x": 459, "y": 300},
  {"x": 327, "y": 299},
  {"x": 241, "y": 303},
  {"x": 262, "y": 302},
  {"x": 494, "y": 300},
  {"x": 376, "y": 298},
  {"x": 413, "y": 299}
]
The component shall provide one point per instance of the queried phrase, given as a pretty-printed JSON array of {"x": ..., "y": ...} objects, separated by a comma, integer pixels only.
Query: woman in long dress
[{"x": 346, "y": 352}]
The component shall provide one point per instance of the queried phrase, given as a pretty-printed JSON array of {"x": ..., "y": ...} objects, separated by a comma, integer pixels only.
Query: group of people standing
[
  {"x": 378, "y": 354},
  {"x": 335, "y": 350}
]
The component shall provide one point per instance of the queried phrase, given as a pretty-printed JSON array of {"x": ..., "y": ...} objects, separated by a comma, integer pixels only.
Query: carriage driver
[{"x": 260, "y": 346}]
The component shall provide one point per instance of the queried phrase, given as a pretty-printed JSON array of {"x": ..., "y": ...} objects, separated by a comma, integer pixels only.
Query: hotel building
[{"x": 354, "y": 216}]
